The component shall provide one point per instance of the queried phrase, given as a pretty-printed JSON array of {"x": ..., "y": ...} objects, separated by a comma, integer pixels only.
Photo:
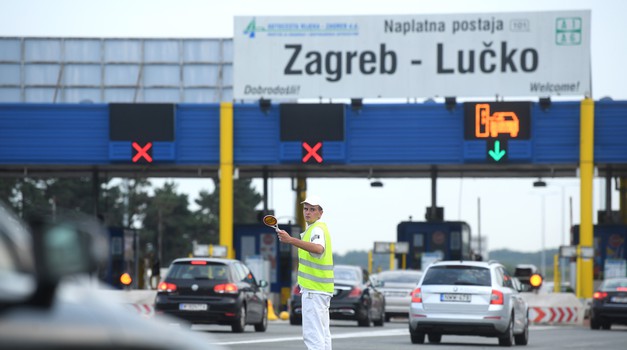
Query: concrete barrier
[
  {"x": 139, "y": 301},
  {"x": 554, "y": 308}
]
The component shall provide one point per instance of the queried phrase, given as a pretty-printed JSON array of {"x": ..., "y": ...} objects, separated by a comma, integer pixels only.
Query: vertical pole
[
  {"x": 392, "y": 256},
  {"x": 557, "y": 280},
  {"x": 370, "y": 261},
  {"x": 301, "y": 195},
  {"x": 479, "y": 225},
  {"x": 586, "y": 171},
  {"x": 265, "y": 190},
  {"x": 542, "y": 230},
  {"x": 623, "y": 199},
  {"x": 226, "y": 178}
]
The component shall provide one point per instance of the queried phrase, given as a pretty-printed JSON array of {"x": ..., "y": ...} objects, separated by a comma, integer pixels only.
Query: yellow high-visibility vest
[{"x": 314, "y": 273}]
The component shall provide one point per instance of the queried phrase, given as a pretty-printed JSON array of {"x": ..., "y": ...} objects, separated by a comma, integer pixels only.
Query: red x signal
[
  {"x": 142, "y": 152},
  {"x": 312, "y": 152}
]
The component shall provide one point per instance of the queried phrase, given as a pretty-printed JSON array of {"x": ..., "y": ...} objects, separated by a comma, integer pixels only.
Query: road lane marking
[{"x": 383, "y": 333}]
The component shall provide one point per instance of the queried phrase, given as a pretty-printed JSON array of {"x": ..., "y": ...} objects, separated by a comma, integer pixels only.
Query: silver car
[
  {"x": 468, "y": 298},
  {"x": 397, "y": 286}
]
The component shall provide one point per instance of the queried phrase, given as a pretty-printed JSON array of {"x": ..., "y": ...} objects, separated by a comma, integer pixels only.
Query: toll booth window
[
  {"x": 466, "y": 250},
  {"x": 456, "y": 240},
  {"x": 419, "y": 240}
]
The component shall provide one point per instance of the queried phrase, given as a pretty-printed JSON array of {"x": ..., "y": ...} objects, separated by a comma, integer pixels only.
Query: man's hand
[{"x": 284, "y": 236}]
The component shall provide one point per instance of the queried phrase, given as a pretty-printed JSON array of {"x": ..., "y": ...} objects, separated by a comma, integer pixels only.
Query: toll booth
[
  {"x": 450, "y": 238},
  {"x": 609, "y": 249},
  {"x": 258, "y": 240},
  {"x": 123, "y": 257}
]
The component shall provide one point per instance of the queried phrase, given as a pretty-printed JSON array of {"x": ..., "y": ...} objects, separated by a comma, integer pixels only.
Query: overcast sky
[{"x": 357, "y": 214}]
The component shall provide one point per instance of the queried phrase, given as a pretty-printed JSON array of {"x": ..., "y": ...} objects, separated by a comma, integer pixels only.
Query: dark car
[
  {"x": 213, "y": 291},
  {"x": 356, "y": 297},
  {"x": 609, "y": 304},
  {"x": 49, "y": 301}
]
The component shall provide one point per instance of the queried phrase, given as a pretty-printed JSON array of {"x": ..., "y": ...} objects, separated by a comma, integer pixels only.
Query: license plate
[
  {"x": 193, "y": 307},
  {"x": 619, "y": 299},
  {"x": 396, "y": 294},
  {"x": 455, "y": 297}
]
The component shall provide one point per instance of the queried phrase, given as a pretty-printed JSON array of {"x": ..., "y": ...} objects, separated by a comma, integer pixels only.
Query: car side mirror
[
  {"x": 70, "y": 245},
  {"x": 262, "y": 283}
]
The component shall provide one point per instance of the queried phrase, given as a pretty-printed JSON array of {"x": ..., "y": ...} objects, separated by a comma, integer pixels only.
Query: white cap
[{"x": 313, "y": 200}]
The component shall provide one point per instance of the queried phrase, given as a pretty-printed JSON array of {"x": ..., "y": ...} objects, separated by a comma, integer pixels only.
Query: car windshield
[
  {"x": 615, "y": 284},
  {"x": 195, "y": 272},
  {"x": 458, "y": 275},
  {"x": 345, "y": 274},
  {"x": 400, "y": 277}
]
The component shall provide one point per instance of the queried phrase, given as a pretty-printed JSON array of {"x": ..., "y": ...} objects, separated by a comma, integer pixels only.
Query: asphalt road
[{"x": 395, "y": 336}]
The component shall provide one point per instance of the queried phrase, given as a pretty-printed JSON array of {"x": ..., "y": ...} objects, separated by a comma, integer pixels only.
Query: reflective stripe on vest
[{"x": 314, "y": 273}]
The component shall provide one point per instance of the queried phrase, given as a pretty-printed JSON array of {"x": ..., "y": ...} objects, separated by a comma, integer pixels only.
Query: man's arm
[{"x": 308, "y": 246}]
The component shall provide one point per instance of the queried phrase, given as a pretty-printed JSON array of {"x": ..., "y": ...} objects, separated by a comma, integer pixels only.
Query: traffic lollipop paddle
[{"x": 271, "y": 221}]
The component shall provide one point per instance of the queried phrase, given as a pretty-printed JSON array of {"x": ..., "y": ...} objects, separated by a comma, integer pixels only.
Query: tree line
[{"x": 134, "y": 203}]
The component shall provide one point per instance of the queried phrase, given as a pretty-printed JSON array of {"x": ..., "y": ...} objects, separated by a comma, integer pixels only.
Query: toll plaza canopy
[{"x": 518, "y": 139}]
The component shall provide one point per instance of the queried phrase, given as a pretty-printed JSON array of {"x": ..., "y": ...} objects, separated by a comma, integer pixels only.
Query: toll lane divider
[
  {"x": 145, "y": 310},
  {"x": 554, "y": 308},
  {"x": 552, "y": 315}
]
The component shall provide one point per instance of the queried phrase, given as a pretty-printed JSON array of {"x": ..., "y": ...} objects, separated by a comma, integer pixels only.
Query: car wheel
[
  {"x": 523, "y": 338},
  {"x": 380, "y": 321},
  {"x": 594, "y": 323},
  {"x": 507, "y": 339},
  {"x": 240, "y": 324},
  {"x": 387, "y": 318},
  {"x": 434, "y": 338},
  {"x": 263, "y": 325},
  {"x": 365, "y": 320},
  {"x": 606, "y": 325},
  {"x": 295, "y": 320},
  {"x": 416, "y": 337}
]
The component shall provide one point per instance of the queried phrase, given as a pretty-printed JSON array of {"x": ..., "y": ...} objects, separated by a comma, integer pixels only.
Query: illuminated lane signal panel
[
  {"x": 141, "y": 133},
  {"x": 312, "y": 133},
  {"x": 491, "y": 129}
]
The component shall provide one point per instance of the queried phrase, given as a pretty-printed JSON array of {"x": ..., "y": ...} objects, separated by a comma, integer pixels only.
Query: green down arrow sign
[{"x": 497, "y": 153}]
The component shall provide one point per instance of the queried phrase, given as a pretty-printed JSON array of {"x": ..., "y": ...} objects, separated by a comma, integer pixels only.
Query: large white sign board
[{"x": 421, "y": 56}]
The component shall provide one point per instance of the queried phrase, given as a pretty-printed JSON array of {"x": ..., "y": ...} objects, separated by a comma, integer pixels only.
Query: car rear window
[
  {"x": 189, "y": 271},
  {"x": 611, "y": 285},
  {"x": 345, "y": 275},
  {"x": 400, "y": 277},
  {"x": 458, "y": 275}
]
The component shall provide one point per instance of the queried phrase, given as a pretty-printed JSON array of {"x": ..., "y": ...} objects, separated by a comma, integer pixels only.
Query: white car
[
  {"x": 468, "y": 298},
  {"x": 397, "y": 286}
]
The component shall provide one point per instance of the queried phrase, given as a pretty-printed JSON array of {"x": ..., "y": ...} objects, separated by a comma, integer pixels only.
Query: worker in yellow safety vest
[{"x": 315, "y": 274}]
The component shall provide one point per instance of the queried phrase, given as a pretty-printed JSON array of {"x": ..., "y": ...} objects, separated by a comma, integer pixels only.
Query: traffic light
[
  {"x": 126, "y": 279},
  {"x": 536, "y": 281}
]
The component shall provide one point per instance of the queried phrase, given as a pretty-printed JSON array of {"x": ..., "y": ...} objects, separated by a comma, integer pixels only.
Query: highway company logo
[{"x": 301, "y": 29}]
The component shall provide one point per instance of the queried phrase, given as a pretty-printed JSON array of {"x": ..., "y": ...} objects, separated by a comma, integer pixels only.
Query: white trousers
[{"x": 316, "y": 332}]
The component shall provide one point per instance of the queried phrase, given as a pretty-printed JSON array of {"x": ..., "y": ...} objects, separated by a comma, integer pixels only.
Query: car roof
[
  {"x": 215, "y": 260},
  {"x": 354, "y": 267},
  {"x": 398, "y": 272},
  {"x": 466, "y": 263}
]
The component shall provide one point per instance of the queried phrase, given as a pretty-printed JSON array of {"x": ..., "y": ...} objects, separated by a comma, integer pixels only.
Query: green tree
[
  {"x": 244, "y": 203},
  {"x": 168, "y": 223}
]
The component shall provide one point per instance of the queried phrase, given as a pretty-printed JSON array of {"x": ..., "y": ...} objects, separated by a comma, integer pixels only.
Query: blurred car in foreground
[
  {"x": 609, "y": 304},
  {"x": 468, "y": 298},
  {"x": 213, "y": 291},
  {"x": 48, "y": 301},
  {"x": 397, "y": 286},
  {"x": 356, "y": 297}
]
